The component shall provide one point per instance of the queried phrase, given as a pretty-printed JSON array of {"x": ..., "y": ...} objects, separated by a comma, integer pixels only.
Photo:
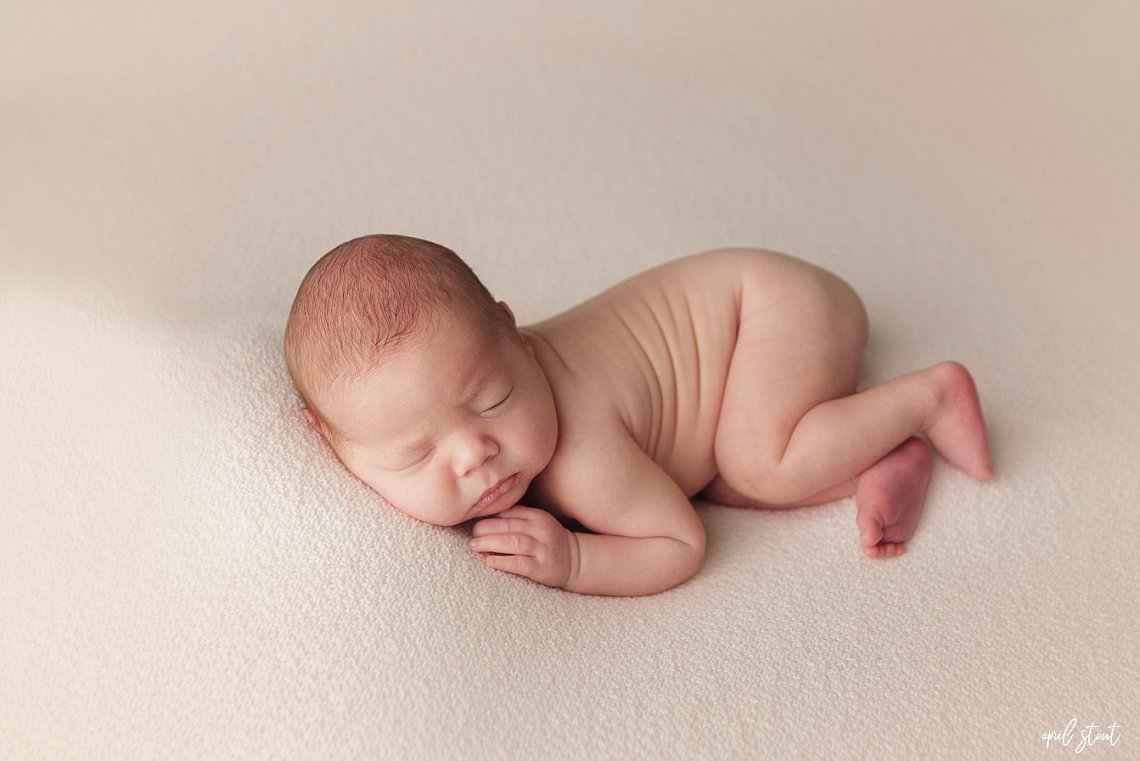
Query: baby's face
[{"x": 454, "y": 427}]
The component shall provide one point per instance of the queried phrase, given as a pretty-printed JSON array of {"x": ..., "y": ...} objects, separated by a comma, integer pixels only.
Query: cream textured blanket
[{"x": 185, "y": 571}]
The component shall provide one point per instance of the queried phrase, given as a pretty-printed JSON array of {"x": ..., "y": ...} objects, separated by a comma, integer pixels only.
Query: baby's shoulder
[{"x": 589, "y": 463}]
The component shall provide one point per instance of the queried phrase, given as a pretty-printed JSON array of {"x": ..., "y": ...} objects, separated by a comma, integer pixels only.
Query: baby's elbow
[
  {"x": 695, "y": 534},
  {"x": 693, "y": 554}
]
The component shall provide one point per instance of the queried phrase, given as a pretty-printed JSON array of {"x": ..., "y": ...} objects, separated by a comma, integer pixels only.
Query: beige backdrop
[{"x": 184, "y": 570}]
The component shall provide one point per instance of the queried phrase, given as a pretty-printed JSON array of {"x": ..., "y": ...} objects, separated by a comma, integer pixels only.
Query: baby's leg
[
  {"x": 721, "y": 491},
  {"x": 890, "y": 496},
  {"x": 791, "y": 426}
]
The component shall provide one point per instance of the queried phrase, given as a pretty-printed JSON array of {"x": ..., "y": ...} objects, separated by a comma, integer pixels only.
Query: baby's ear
[
  {"x": 311, "y": 419},
  {"x": 506, "y": 308}
]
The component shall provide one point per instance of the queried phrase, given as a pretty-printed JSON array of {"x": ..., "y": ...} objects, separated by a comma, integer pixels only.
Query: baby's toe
[{"x": 870, "y": 531}]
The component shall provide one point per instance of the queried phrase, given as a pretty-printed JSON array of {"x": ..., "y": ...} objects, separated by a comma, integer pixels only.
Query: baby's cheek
[
  {"x": 431, "y": 490},
  {"x": 542, "y": 440},
  {"x": 384, "y": 494},
  {"x": 388, "y": 489},
  {"x": 549, "y": 427}
]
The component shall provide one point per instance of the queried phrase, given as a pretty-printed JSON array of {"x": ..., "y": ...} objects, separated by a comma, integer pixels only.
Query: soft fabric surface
[{"x": 186, "y": 571}]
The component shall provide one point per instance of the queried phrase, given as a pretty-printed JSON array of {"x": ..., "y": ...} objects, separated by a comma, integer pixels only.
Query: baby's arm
[{"x": 649, "y": 537}]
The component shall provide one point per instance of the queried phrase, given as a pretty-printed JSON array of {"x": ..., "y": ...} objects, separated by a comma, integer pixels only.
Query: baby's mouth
[{"x": 495, "y": 492}]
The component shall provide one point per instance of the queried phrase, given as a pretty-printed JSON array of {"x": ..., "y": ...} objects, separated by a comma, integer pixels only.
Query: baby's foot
[
  {"x": 889, "y": 499},
  {"x": 958, "y": 431}
]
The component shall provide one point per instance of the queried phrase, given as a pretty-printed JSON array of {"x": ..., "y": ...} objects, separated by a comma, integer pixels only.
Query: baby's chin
[
  {"x": 498, "y": 509},
  {"x": 489, "y": 513}
]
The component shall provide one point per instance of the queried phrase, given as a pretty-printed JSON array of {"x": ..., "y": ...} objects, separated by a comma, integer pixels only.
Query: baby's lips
[{"x": 496, "y": 492}]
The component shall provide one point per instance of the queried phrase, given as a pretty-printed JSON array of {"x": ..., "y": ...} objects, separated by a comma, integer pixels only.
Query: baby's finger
[
  {"x": 520, "y": 511},
  {"x": 498, "y": 525},
  {"x": 506, "y": 544},
  {"x": 520, "y": 565}
]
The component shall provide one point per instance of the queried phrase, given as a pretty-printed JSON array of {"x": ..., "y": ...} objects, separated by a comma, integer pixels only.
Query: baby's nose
[{"x": 476, "y": 453}]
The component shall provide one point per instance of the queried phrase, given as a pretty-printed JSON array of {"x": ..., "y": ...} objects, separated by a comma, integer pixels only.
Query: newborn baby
[{"x": 729, "y": 374}]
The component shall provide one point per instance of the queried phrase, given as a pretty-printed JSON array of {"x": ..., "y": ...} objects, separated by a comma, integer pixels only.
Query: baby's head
[{"x": 421, "y": 382}]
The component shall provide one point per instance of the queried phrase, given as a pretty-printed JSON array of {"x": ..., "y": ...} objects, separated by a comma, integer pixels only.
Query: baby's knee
[
  {"x": 852, "y": 305},
  {"x": 758, "y": 480},
  {"x": 843, "y": 305}
]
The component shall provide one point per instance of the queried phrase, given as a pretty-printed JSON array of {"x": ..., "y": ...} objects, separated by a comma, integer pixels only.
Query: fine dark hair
[{"x": 370, "y": 297}]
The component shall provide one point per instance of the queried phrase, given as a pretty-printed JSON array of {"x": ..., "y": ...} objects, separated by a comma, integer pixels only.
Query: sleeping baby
[{"x": 574, "y": 445}]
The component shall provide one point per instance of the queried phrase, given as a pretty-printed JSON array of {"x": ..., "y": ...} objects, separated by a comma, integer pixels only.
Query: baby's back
[{"x": 652, "y": 354}]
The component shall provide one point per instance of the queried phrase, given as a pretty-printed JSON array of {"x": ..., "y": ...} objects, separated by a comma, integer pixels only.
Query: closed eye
[
  {"x": 421, "y": 459},
  {"x": 497, "y": 406}
]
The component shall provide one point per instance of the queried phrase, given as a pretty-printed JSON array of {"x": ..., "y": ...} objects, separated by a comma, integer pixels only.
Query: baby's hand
[{"x": 528, "y": 542}]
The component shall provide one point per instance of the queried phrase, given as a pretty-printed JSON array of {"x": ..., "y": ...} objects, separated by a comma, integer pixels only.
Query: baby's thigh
[{"x": 800, "y": 341}]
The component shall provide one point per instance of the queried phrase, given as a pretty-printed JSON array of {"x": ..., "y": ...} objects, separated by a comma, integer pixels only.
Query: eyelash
[
  {"x": 494, "y": 407},
  {"x": 418, "y": 461}
]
